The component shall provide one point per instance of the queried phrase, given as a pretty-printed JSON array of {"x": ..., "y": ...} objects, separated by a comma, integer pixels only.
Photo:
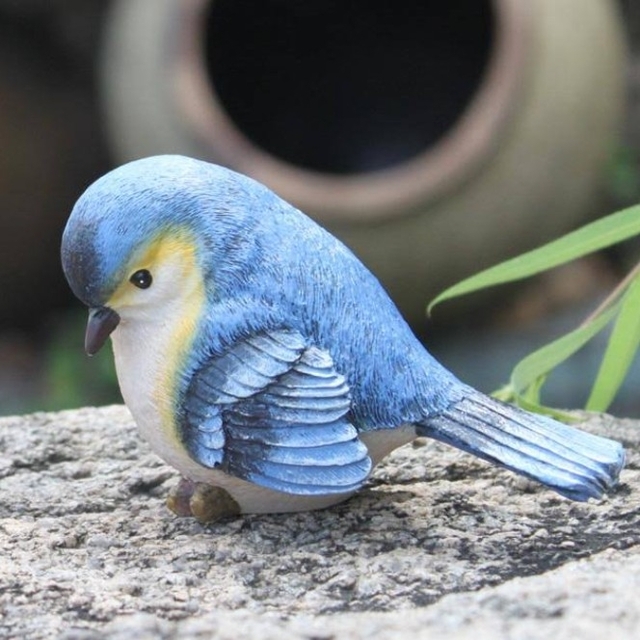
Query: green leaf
[
  {"x": 597, "y": 235},
  {"x": 621, "y": 350},
  {"x": 530, "y": 373}
]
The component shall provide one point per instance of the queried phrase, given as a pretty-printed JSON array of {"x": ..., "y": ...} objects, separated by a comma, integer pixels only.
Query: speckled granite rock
[{"x": 439, "y": 542}]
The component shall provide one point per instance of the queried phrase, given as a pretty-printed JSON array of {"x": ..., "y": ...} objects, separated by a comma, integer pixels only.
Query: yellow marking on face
[{"x": 176, "y": 245}]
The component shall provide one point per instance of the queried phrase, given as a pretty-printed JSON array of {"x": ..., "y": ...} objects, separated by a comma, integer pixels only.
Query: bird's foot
[{"x": 204, "y": 502}]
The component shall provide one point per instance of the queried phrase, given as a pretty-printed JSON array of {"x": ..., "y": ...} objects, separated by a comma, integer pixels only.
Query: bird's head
[{"x": 146, "y": 238}]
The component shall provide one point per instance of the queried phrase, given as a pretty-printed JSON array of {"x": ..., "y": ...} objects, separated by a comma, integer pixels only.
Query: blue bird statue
[{"x": 261, "y": 359}]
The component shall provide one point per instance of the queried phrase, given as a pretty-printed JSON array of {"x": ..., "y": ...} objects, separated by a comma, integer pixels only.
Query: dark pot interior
[{"x": 347, "y": 87}]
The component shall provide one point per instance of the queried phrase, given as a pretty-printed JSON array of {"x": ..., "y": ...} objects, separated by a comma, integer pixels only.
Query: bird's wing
[{"x": 273, "y": 411}]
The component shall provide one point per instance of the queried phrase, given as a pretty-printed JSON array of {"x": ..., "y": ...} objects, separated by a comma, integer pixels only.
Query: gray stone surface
[{"x": 438, "y": 545}]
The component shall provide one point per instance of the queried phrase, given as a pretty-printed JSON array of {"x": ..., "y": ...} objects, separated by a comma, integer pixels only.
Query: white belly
[{"x": 145, "y": 363}]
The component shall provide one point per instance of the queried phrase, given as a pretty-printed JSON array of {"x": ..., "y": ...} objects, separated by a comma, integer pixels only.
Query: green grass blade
[
  {"x": 621, "y": 349},
  {"x": 597, "y": 235},
  {"x": 539, "y": 363}
]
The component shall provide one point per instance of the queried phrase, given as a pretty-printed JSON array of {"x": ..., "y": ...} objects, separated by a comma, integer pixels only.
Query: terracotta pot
[{"x": 434, "y": 138}]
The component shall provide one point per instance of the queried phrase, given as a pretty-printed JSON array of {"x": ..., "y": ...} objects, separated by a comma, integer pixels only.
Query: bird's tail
[{"x": 576, "y": 464}]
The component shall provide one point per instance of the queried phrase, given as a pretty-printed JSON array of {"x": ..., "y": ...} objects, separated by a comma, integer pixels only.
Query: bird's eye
[{"x": 141, "y": 279}]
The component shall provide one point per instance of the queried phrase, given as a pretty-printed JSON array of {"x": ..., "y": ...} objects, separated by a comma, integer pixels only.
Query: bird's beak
[{"x": 102, "y": 321}]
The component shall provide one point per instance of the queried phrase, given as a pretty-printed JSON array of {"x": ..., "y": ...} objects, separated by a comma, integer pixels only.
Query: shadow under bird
[{"x": 261, "y": 359}]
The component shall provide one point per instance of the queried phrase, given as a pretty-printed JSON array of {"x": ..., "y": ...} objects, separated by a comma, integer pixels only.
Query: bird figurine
[{"x": 260, "y": 358}]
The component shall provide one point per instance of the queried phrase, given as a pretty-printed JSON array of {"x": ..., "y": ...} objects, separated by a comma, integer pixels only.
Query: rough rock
[{"x": 438, "y": 544}]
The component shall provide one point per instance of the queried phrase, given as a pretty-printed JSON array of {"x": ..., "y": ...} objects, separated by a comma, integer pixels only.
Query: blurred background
[{"x": 434, "y": 138}]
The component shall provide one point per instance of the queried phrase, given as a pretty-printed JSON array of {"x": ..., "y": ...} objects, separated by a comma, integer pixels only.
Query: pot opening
[{"x": 347, "y": 87}]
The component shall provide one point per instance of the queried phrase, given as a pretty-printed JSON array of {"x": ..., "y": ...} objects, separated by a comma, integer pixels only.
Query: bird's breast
[{"x": 150, "y": 358}]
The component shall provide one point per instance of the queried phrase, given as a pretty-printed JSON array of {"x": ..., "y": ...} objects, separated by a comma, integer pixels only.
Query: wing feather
[{"x": 274, "y": 411}]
